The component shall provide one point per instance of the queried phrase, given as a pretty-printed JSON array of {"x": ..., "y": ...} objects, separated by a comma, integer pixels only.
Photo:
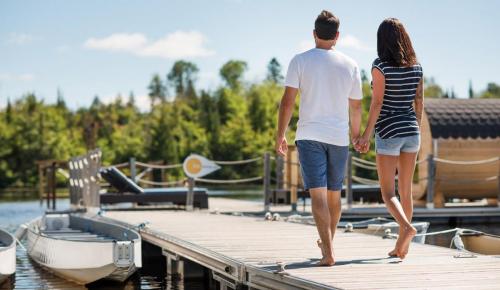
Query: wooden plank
[{"x": 253, "y": 246}]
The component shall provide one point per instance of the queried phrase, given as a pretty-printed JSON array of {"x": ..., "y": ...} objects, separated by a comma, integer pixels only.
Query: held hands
[
  {"x": 361, "y": 144},
  {"x": 281, "y": 146}
]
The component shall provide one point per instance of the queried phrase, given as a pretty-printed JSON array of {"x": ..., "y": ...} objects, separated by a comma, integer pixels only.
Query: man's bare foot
[
  {"x": 326, "y": 261},
  {"x": 393, "y": 253},
  {"x": 407, "y": 235}
]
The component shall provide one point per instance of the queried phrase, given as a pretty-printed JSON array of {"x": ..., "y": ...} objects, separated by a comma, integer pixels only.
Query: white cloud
[
  {"x": 19, "y": 38},
  {"x": 347, "y": 41},
  {"x": 352, "y": 42},
  {"x": 179, "y": 44},
  {"x": 16, "y": 77}
]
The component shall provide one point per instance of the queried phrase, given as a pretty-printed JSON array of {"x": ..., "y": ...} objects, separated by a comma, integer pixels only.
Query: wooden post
[
  {"x": 294, "y": 179},
  {"x": 54, "y": 184},
  {"x": 431, "y": 171},
  {"x": 348, "y": 189},
  {"x": 190, "y": 194},
  {"x": 133, "y": 169},
  {"x": 266, "y": 180},
  {"x": 279, "y": 172},
  {"x": 498, "y": 181},
  {"x": 40, "y": 182}
]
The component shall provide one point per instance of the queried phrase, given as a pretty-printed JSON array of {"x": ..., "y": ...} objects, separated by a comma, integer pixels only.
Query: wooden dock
[{"x": 244, "y": 252}]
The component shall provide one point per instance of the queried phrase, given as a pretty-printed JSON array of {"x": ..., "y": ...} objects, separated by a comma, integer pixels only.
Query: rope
[
  {"x": 160, "y": 183},
  {"x": 358, "y": 164},
  {"x": 119, "y": 165},
  {"x": 140, "y": 175},
  {"x": 157, "y": 166},
  {"x": 364, "y": 161},
  {"x": 217, "y": 181},
  {"x": 237, "y": 162},
  {"x": 365, "y": 181},
  {"x": 421, "y": 161},
  {"x": 475, "y": 162}
]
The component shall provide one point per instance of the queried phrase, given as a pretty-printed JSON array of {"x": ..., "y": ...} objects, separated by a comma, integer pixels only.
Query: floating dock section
[{"x": 251, "y": 253}]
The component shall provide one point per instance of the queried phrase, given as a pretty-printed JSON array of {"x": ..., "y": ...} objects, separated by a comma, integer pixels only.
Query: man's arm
[
  {"x": 285, "y": 114},
  {"x": 355, "y": 119},
  {"x": 419, "y": 101}
]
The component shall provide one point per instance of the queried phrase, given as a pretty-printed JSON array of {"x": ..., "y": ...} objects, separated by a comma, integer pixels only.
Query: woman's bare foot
[
  {"x": 320, "y": 245},
  {"x": 407, "y": 235},
  {"x": 394, "y": 252},
  {"x": 326, "y": 261}
]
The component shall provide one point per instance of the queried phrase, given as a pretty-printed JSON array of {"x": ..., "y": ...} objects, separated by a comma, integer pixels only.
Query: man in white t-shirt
[{"x": 330, "y": 98}]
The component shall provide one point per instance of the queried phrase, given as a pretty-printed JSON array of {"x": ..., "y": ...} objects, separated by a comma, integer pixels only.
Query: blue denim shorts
[
  {"x": 393, "y": 146},
  {"x": 322, "y": 164}
]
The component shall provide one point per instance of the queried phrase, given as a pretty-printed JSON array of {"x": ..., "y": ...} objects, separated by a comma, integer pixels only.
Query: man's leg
[
  {"x": 321, "y": 213},
  {"x": 335, "y": 208}
]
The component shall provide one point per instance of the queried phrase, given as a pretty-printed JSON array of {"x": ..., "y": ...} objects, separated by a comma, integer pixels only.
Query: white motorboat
[
  {"x": 7, "y": 255},
  {"x": 83, "y": 249}
]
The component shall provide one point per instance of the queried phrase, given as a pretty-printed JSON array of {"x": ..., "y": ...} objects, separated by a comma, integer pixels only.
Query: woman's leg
[
  {"x": 406, "y": 168},
  {"x": 386, "y": 168}
]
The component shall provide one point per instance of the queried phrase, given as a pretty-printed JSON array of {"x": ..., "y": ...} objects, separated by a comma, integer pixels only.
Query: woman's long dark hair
[{"x": 394, "y": 44}]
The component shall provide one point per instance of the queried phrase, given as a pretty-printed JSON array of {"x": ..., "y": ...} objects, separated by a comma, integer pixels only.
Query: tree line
[{"x": 235, "y": 121}]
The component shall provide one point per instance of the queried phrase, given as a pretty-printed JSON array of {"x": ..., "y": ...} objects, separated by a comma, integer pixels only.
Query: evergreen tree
[
  {"x": 274, "y": 71},
  {"x": 8, "y": 112},
  {"x": 182, "y": 78},
  {"x": 232, "y": 73},
  {"x": 471, "y": 91},
  {"x": 60, "y": 103},
  {"x": 157, "y": 90}
]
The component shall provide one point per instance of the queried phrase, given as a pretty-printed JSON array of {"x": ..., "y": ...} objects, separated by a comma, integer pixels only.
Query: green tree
[
  {"x": 274, "y": 71},
  {"x": 182, "y": 78},
  {"x": 232, "y": 73},
  {"x": 157, "y": 90},
  {"x": 432, "y": 89},
  {"x": 492, "y": 91}
]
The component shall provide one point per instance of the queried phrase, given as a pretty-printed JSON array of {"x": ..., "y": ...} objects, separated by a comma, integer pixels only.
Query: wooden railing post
[
  {"x": 431, "y": 171},
  {"x": 348, "y": 190},
  {"x": 280, "y": 165},
  {"x": 498, "y": 182},
  {"x": 266, "y": 180},
  {"x": 190, "y": 194},
  {"x": 133, "y": 169}
]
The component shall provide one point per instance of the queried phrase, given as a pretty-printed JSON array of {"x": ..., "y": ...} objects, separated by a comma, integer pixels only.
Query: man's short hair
[{"x": 326, "y": 25}]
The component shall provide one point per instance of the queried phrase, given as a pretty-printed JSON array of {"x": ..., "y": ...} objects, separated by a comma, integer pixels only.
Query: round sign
[
  {"x": 193, "y": 166},
  {"x": 197, "y": 166}
]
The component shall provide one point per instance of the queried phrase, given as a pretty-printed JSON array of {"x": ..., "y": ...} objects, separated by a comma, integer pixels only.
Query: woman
[{"x": 395, "y": 115}]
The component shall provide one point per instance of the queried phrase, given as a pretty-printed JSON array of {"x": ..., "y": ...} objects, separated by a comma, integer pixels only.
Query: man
[{"x": 330, "y": 94}]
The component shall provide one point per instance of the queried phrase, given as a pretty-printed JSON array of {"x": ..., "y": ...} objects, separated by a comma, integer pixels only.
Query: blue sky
[{"x": 109, "y": 47}]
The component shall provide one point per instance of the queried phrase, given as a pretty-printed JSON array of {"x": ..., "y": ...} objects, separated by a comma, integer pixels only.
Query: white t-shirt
[{"x": 326, "y": 79}]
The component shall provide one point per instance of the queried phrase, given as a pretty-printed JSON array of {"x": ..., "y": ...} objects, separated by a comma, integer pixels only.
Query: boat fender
[
  {"x": 276, "y": 217},
  {"x": 349, "y": 228},
  {"x": 268, "y": 216}
]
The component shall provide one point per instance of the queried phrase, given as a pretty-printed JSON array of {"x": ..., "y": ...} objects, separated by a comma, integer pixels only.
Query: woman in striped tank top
[{"x": 395, "y": 114}]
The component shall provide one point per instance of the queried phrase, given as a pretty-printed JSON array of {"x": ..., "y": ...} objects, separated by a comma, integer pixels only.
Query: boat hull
[
  {"x": 7, "y": 256},
  {"x": 481, "y": 243},
  {"x": 84, "y": 260}
]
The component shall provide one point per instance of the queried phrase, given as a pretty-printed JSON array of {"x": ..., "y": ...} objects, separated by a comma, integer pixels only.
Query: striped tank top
[{"x": 397, "y": 117}]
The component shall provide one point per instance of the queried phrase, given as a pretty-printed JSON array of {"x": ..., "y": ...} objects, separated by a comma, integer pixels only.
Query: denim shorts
[
  {"x": 393, "y": 146},
  {"x": 322, "y": 164}
]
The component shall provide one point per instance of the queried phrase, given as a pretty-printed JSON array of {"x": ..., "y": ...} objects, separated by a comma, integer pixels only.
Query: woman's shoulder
[{"x": 378, "y": 64}]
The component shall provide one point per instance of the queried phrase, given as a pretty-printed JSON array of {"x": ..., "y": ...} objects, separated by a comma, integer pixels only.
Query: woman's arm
[
  {"x": 419, "y": 101},
  {"x": 375, "y": 107}
]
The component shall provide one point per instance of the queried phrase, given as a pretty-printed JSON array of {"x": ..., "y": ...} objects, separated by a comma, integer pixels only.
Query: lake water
[{"x": 31, "y": 276}]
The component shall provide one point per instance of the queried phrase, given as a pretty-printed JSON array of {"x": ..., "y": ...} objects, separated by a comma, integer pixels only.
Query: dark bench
[{"x": 129, "y": 191}]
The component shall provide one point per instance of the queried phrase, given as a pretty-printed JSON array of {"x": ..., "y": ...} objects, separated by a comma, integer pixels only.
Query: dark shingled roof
[{"x": 466, "y": 118}]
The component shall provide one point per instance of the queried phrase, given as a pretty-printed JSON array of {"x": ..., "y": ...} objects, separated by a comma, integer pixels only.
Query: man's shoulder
[{"x": 346, "y": 59}]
